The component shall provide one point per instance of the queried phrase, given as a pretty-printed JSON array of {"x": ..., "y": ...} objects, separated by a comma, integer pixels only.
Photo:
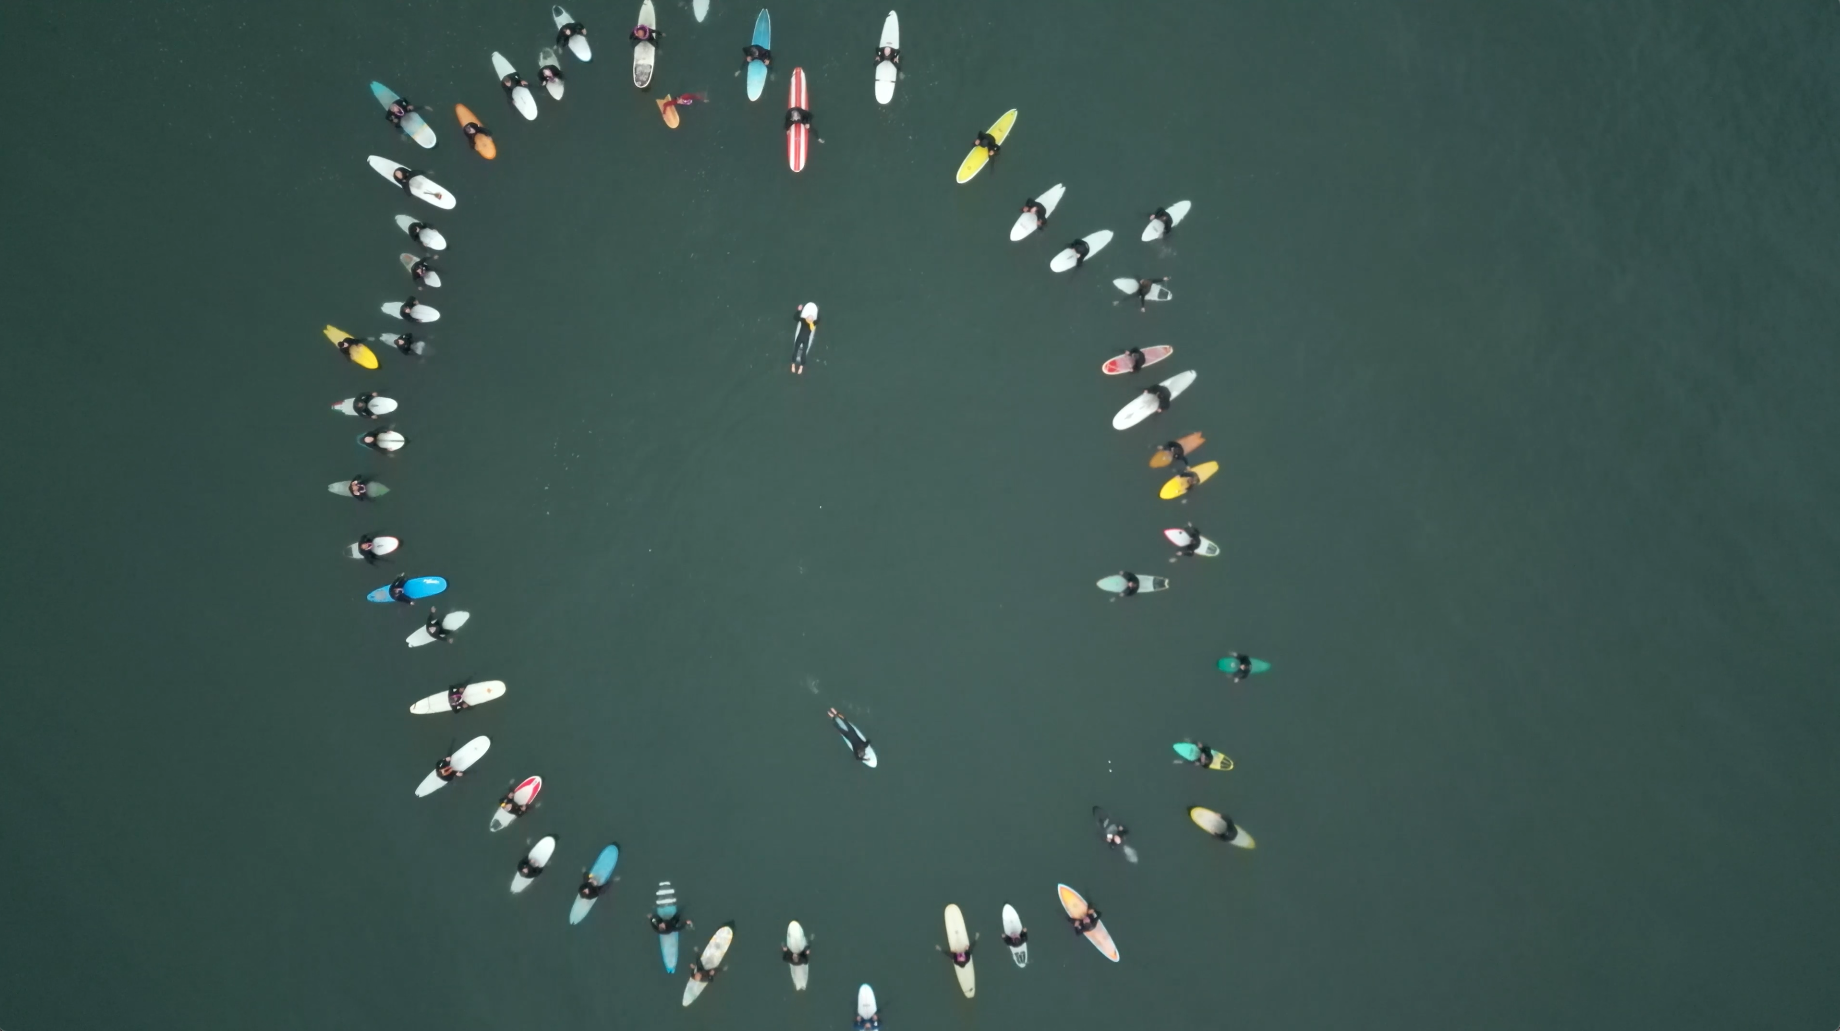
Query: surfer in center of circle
[
  {"x": 1041, "y": 218},
  {"x": 1162, "y": 395},
  {"x": 645, "y": 34},
  {"x": 456, "y": 695},
  {"x": 406, "y": 343},
  {"x": 1194, "y": 536},
  {"x": 1169, "y": 222},
  {"x": 890, "y": 54},
  {"x": 754, "y": 52},
  {"x": 1130, "y": 584},
  {"x": 797, "y": 959},
  {"x": 397, "y": 593},
  {"x": 670, "y": 925},
  {"x": 1080, "y": 250},
  {"x": 573, "y": 28},
  {"x": 435, "y": 629},
  {"x": 989, "y": 143},
  {"x": 1085, "y": 923},
  {"x": 421, "y": 268},
  {"x": 360, "y": 487},
  {"x": 701, "y": 974},
  {"x": 1144, "y": 286},
  {"x": 1114, "y": 834},
  {"x": 1242, "y": 666},
  {"x": 398, "y": 110},
  {"x": 445, "y": 769},
  {"x": 799, "y": 116},
  {"x": 590, "y": 888}
]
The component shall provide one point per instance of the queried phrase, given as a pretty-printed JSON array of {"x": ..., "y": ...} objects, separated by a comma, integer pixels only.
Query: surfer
[
  {"x": 989, "y": 143},
  {"x": 686, "y": 99},
  {"x": 397, "y": 593},
  {"x": 1137, "y": 358},
  {"x": 374, "y": 441},
  {"x": 408, "y": 309},
  {"x": 547, "y": 74},
  {"x": 472, "y": 130},
  {"x": 445, "y": 769},
  {"x": 569, "y": 31},
  {"x": 1190, "y": 480},
  {"x": 1088, "y": 922},
  {"x": 1204, "y": 756},
  {"x": 346, "y": 345},
  {"x": 1174, "y": 449},
  {"x": 361, "y": 405},
  {"x": 1144, "y": 286},
  {"x": 1114, "y": 833},
  {"x": 699, "y": 974},
  {"x": 797, "y": 959},
  {"x": 858, "y": 744},
  {"x": 456, "y": 695},
  {"x": 360, "y": 487},
  {"x": 415, "y": 228},
  {"x": 435, "y": 629},
  {"x": 1041, "y": 214},
  {"x": 528, "y": 869},
  {"x": 889, "y": 54},
  {"x": 669, "y": 925},
  {"x": 1080, "y": 250},
  {"x": 1130, "y": 584},
  {"x": 755, "y": 52},
  {"x": 960, "y": 959},
  {"x": 510, "y": 804},
  {"x": 1169, "y": 222},
  {"x": 406, "y": 343},
  {"x": 590, "y": 888},
  {"x": 1242, "y": 666},
  {"x": 367, "y": 549},
  {"x": 1194, "y": 538},
  {"x": 421, "y": 269},
  {"x": 1017, "y": 940},
  {"x": 799, "y": 116},
  {"x": 1162, "y": 396},
  {"x": 513, "y": 81},
  {"x": 398, "y": 110},
  {"x": 403, "y": 176},
  {"x": 645, "y": 34}
]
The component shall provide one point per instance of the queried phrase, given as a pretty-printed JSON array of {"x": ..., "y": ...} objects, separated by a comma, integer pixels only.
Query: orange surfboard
[
  {"x": 1189, "y": 444},
  {"x": 482, "y": 140},
  {"x": 667, "y": 108}
]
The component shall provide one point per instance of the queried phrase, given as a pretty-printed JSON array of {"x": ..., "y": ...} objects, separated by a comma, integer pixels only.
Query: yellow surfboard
[
  {"x": 979, "y": 157},
  {"x": 667, "y": 109},
  {"x": 1177, "y": 486},
  {"x": 359, "y": 353}
]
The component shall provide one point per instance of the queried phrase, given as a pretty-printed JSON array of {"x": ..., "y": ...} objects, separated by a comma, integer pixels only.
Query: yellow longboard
[
  {"x": 359, "y": 353},
  {"x": 1177, "y": 486},
  {"x": 979, "y": 157}
]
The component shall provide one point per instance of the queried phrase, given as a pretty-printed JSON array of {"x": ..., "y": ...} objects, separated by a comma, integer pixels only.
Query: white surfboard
[
  {"x": 1027, "y": 222},
  {"x": 578, "y": 43},
  {"x": 1012, "y": 926},
  {"x": 520, "y": 795},
  {"x": 547, "y": 57},
  {"x": 520, "y": 95},
  {"x": 378, "y": 406},
  {"x": 1068, "y": 258},
  {"x": 711, "y": 959},
  {"x": 959, "y": 941},
  {"x": 887, "y": 72},
  {"x": 389, "y": 440},
  {"x": 538, "y": 856},
  {"x": 645, "y": 55},
  {"x": 433, "y": 278},
  {"x": 379, "y": 546},
  {"x": 451, "y": 621},
  {"x": 699, "y": 9},
  {"x": 420, "y": 313},
  {"x": 1179, "y": 537},
  {"x": 795, "y": 940},
  {"x": 420, "y": 186},
  {"x": 865, "y": 1003},
  {"x": 474, "y": 694},
  {"x": 1158, "y": 292},
  {"x": 428, "y": 236},
  {"x": 1144, "y": 405},
  {"x": 1177, "y": 212},
  {"x": 463, "y": 759}
]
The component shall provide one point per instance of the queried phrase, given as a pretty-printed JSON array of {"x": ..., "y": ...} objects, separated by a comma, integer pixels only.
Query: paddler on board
[
  {"x": 989, "y": 143},
  {"x": 360, "y": 487},
  {"x": 570, "y": 31},
  {"x": 1242, "y": 666},
  {"x": 645, "y": 34},
  {"x": 406, "y": 343},
  {"x": 890, "y": 54},
  {"x": 754, "y": 52},
  {"x": 1169, "y": 222},
  {"x": 435, "y": 629},
  {"x": 1194, "y": 542},
  {"x": 1144, "y": 286},
  {"x": 1080, "y": 250},
  {"x": 398, "y": 110},
  {"x": 797, "y": 959},
  {"x": 1041, "y": 219},
  {"x": 669, "y": 925}
]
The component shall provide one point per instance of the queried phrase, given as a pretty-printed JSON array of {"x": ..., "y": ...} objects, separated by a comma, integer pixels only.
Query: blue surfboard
[
  {"x": 757, "y": 71},
  {"x": 602, "y": 872},
  {"x": 416, "y": 587}
]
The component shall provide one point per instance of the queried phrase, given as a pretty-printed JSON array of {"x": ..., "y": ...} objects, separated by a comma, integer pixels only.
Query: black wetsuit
[
  {"x": 396, "y": 590},
  {"x": 415, "y": 230},
  {"x": 361, "y": 405},
  {"x": 360, "y": 488},
  {"x": 858, "y": 743},
  {"x": 1018, "y": 941},
  {"x": 1137, "y": 359},
  {"x": 989, "y": 143},
  {"x": 1080, "y": 250},
  {"x": 1169, "y": 223},
  {"x": 472, "y": 129},
  {"x": 1087, "y": 922},
  {"x": 456, "y": 697},
  {"x": 1162, "y": 397},
  {"x": 366, "y": 551},
  {"x": 590, "y": 890},
  {"x": 1242, "y": 667},
  {"x": 1130, "y": 584},
  {"x": 1194, "y": 541},
  {"x": 421, "y": 269},
  {"x": 1040, "y": 210},
  {"x": 573, "y": 28},
  {"x": 513, "y": 81},
  {"x": 651, "y": 37},
  {"x": 797, "y": 959},
  {"x": 803, "y": 117},
  {"x": 445, "y": 770},
  {"x": 894, "y": 57},
  {"x": 406, "y": 343},
  {"x": 664, "y": 926},
  {"x": 1177, "y": 453},
  {"x": 527, "y": 870},
  {"x": 406, "y": 176},
  {"x": 434, "y": 627},
  {"x": 757, "y": 53}
]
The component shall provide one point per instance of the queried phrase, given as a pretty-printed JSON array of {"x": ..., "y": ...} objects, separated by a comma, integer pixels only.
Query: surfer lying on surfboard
[
  {"x": 757, "y": 53},
  {"x": 1242, "y": 666},
  {"x": 570, "y": 30},
  {"x": 959, "y": 959},
  {"x": 360, "y": 487},
  {"x": 686, "y": 99},
  {"x": 989, "y": 143},
  {"x": 668, "y": 926},
  {"x": 1194, "y": 542},
  {"x": 398, "y": 110},
  {"x": 645, "y": 34},
  {"x": 1085, "y": 923},
  {"x": 1144, "y": 286},
  {"x": 698, "y": 973},
  {"x": 1041, "y": 217},
  {"x": 800, "y": 116},
  {"x": 797, "y": 959},
  {"x": 435, "y": 629},
  {"x": 1169, "y": 222},
  {"x": 889, "y": 54}
]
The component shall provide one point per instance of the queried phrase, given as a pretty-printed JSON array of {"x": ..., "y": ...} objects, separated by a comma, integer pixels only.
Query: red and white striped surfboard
[{"x": 798, "y": 138}]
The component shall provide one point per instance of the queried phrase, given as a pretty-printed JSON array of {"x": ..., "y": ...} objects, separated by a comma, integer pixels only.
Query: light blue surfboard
[
  {"x": 602, "y": 872},
  {"x": 415, "y": 587},
  {"x": 756, "y": 70}
]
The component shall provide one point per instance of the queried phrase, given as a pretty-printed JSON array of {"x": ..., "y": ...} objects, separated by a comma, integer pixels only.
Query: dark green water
[{"x": 1514, "y": 326}]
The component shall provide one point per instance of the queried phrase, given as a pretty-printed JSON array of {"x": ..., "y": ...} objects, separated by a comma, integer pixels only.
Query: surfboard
[
  {"x": 711, "y": 959},
  {"x": 1144, "y": 405},
  {"x": 420, "y": 186},
  {"x": 538, "y": 857},
  {"x": 699, "y": 9},
  {"x": 433, "y": 278},
  {"x": 1176, "y": 486},
  {"x": 1158, "y": 292},
  {"x": 1227, "y": 665},
  {"x": 664, "y": 903},
  {"x": 1163, "y": 456},
  {"x": 795, "y": 940},
  {"x": 958, "y": 941},
  {"x": 756, "y": 70},
  {"x": 412, "y": 124},
  {"x": 1076, "y": 907},
  {"x": 428, "y": 236},
  {"x": 377, "y": 490},
  {"x": 1145, "y": 584},
  {"x": 452, "y": 621},
  {"x": 798, "y": 137},
  {"x": 578, "y": 43},
  {"x": 645, "y": 55},
  {"x": 667, "y": 109},
  {"x": 525, "y": 793},
  {"x": 867, "y": 1017},
  {"x": 1191, "y": 752},
  {"x": 415, "y": 587},
  {"x": 979, "y": 157},
  {"x": 379, "y": 546},
  {"x": 1069, "y": 258},
  {"x": 1177, "y": 212},
  {"x": 463, "y": 759},
  {"x": 388, "y": 441},
  {"x": 1221, "y": 826},
  {"x": 473, "y": 694},
  {"x": 887, "y": 72},
  {"x": 1121, "y": 365},
  {"x": 482, "y": 144},
  {"x": 1012, "y": 926},
  {"x": 358, "y": 352},
  {"x": 420, "y": 313},
  {"x": 600, "y": 873},
  {"x": 1179, "y": 538},
  {"x": 1028, "y": 221},
  {"x": 802, "y": 336},
  {"x": 549, "y": 60},
  {"x": 519, "y": 95}
]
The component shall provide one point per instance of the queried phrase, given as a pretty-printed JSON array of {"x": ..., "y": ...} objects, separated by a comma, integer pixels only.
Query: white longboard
[
  {"x": 420, "y": 186},
  {"x": 959, "y": 941},
  {"x": 645, "y": 55},
  {"x": 1068, "y": 258},
  {"x": 578, "y": 43},
  {"x": 520, "y": 95},
  {"x": 699, "y": 9},
  {"x": 452, "y": 621},
  {"x": 1012, "y": 926},
  {"x": 538, "y": 856},
  {"x": 1158, "y": 292},
  {"x": 887, "y": 72},
  {"x": 523, "y": 794},
  {"x": 548, "y": 58},
  {"x": 463, "y": 759},
  {"x": 378, "y": 406},
  {"x": 1115, "y": 584},
  {"x": 1177, "y": 212},
  {"x": 1028, "y": 222},
  {"x": 711, "y": 958},
  {"x": 421, "y": 313},
  {"x": 1144, "y": 405},
  {"x": 795, "y": 940},
  {"x": 379, "y": 546},
  {"x": 475, "y": 694},
  {"x": 865, "y": 1004},
  {"x": 386, "y": 440},
  {"x": 433, "y": 278},
  {"x": 428, "y": 236}
]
